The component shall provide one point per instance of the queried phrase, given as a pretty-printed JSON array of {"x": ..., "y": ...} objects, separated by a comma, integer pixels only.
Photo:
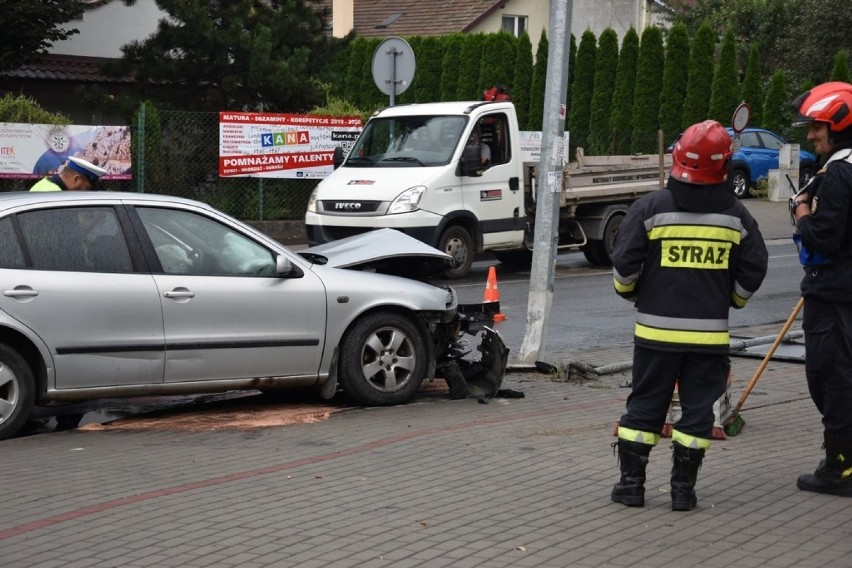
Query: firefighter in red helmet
[
  {"x": 685, "y": 255},
  {"x": 823, "y": 215}
]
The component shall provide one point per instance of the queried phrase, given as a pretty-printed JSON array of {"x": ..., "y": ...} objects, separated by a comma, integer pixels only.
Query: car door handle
[
  {"x": 21, "y": 293},
  {"x": 179, "y": 293}
]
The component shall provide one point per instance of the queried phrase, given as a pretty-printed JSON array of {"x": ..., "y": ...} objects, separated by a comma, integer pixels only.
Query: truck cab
[{"x": 449, "y": 174}]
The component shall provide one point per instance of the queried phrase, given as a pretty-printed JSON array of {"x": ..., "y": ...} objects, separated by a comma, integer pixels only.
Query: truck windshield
[{"x": 407, "y": 141}]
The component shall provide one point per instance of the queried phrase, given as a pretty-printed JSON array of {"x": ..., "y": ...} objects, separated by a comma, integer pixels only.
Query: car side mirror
[
  {"x": 286, "y": 269},
  {"x": 337, "y": 160},
  {"x": 470, "y": 164}
]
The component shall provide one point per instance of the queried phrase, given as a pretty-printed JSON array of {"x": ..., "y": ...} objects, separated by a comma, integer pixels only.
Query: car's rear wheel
[
  {"x": 383, "y": 359},
  {"x": 17, "y": 392},
  {"x": 740, "y": 182},
  {"x": 457, "y": 243}
]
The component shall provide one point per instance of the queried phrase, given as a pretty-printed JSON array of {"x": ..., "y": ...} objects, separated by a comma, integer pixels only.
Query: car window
[
  {"x": 749, "y": 140},
  {"x": 83, "y": 239},
  {"x": 188, "y": 243},
  {"x": 771, "y": 142},
  {"x": 10, "y": 250}
]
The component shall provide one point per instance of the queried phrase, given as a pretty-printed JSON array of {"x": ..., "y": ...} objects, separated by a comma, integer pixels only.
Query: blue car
[{"x": 758, "y": 153}]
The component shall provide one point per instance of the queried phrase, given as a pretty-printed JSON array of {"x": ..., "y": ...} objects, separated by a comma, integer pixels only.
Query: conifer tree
[
  {"x": 498, "y": 57},
  {"x": 606, "y": 65},
  {"x": 427, "y": 88},
  {"x": 450, "y": 65},
  {"x": 581, "y": 91},
  {"x": 649, "y": 75},
  {"x": 572, "y": 61},
  {"x": 697, "y": 101},
  {"x": 471, "y": 58},
  {"x": 371, "y": 96},
  {"x": 359, "y": 51},
  {"x": 675, "y": 77},
  {"x": 752, "y": 92},
  {"x": 776, "y": 116},
  {"x": 522, "y": 83},
  {"x": 536, "y": 111},
  {"x": 841, "y": 68},
  {"x": 724, "y": 95},
  {"x": 409, "y": 96},
  {"x": 621, "y": 120}
]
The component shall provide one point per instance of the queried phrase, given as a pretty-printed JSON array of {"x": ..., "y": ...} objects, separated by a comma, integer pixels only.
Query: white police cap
[{"x": 86, "y": 168}]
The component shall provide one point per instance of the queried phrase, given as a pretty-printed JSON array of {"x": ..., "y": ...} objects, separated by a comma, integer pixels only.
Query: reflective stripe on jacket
[{"x": 686, "y": 269}]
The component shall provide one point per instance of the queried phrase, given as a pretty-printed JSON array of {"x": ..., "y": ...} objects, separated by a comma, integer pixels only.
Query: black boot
[
  {"x": 834, "y": 474},
  {"x": 632, "y": 457},
  {"x": 686, "y": 463}
]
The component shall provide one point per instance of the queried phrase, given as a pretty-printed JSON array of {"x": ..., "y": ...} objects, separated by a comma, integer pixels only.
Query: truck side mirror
[
  {"x": 337, "y": 160},
  {"x": 470, "y": 164}
]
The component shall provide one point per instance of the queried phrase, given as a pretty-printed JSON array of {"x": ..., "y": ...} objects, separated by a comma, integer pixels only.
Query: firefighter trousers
[{"x": 701, "y": 379}]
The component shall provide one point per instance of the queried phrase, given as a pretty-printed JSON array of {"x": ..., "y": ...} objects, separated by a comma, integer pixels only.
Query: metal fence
[{"x": 177, "y": 153}]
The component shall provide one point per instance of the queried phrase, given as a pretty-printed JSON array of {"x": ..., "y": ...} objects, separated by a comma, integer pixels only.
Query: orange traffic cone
[{"x": 491, "y": 298}]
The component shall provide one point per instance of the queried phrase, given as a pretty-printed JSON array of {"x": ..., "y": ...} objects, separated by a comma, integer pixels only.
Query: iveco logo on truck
[{"x": 347, "y": 206}]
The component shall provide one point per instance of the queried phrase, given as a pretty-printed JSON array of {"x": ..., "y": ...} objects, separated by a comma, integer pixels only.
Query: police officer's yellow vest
[{"x": 45, "y": 184}]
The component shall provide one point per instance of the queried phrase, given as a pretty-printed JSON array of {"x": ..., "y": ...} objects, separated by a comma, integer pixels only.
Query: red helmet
[
  {"x": 702, "y": 153},
  {"x": 830, "y": 103}
]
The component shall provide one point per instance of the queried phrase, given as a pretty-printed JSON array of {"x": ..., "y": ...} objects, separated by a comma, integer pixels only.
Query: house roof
[
  {"x": 383, "y": 18},
  {"x": 64, "y": 68}
]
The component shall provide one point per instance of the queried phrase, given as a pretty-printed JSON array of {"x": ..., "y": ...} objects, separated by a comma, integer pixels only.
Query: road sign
[{"x": 393, "y": 67}]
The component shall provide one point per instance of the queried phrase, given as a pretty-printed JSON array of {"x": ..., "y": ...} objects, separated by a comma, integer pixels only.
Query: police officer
[
  {"x": 823, "y": 215},
  {"x": 685, "y": 255},
  {"x": 77, "y": 175}
]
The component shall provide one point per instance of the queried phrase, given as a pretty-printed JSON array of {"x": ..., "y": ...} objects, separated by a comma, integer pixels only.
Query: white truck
[{"x": 453, "y": 175}]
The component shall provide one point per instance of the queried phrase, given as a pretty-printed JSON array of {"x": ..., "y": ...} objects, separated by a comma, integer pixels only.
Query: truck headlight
[
  {"x": 408, "y": 200},
  {"x": 312, "y": 202}
]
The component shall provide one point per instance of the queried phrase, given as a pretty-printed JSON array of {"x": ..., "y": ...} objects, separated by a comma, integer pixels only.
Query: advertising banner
[
  {"x": 253, "y": 144},
  {"x": 31, "y": 151}
]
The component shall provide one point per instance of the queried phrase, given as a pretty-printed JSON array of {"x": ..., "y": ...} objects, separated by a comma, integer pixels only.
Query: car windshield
[{"x": 407, "y": 141}]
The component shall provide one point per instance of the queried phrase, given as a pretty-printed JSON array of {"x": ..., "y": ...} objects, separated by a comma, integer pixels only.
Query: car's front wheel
[
  {"x": 383, "y": 359},
  {"x": 740, "y": 182},
  {"x": 17, "y": 392}
]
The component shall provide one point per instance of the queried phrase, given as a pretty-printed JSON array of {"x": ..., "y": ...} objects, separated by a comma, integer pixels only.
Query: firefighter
[
  {"x": 823, "y": 216},
  {"x": 77, "y": 175},
  {"x": 684, "y": 255}
]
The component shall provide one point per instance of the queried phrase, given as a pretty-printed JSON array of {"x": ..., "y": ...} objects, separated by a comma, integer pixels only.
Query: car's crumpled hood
[{"x": 386, "y": 250}]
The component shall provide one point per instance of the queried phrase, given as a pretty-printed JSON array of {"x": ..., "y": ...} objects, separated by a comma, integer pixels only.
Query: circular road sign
[{"x": 393, "y": 66}]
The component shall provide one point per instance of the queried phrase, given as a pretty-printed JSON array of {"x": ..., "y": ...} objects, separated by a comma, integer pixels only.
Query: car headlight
[
  {"x": 408, "y": 200},
  {"x": 312, "y": 202}
]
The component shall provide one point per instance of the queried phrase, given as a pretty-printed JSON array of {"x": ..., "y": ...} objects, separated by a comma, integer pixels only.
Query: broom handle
[{"x": 769, "y": 354}]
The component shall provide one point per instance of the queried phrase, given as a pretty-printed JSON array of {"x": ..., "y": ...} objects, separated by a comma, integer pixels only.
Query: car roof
[{"x": 15, "y": 199}]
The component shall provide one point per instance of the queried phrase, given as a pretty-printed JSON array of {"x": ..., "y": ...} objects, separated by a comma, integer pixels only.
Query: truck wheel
[
  {"x": 599, "y": 251},
  {"x": 457, "y": 243},
  {"x": 740, "y": 183},
  {"x": 383, "y": 359},
  {"x": 17, "y": 392}
]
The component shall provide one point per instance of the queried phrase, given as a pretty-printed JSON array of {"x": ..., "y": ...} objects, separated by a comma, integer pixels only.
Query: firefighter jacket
[
  {"x": 828, "y": 230},
  {"x": 686, "y": 254}
]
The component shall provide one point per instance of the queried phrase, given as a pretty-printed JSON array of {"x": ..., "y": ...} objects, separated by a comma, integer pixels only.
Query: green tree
[
  {"x": 536, "y": 113},
  {"x": 237, "y": 54},
  {"x": 606, "y": 66},
  {"x": 725, "y": 92},
  {"x": 776, "y": 113},
  {"x": 498, "y": 59},
  {"x": 370, "y": 95},
  {"x": 841, "y": 68},
  {"x": 407, "y": 96},
  {"x": 471, "y": 57},
  {"x": 621, "y": 120},
  {"x": 698, "y": 85},
  {"x": 675, "y": 77},
  {"x": 25, "y": 109},
  {"x": 572, "y": 62},
  {"x": 649, "y": 75},
  {"x": 427, "y": 82},
  {"x": 359, "y": 52},
  {"x": 581, "y": 91},
  {"x": 817, "y": 30},
  {"x": 522, "y": 83},
  {"x": 31, "y": 28},
  {"x": 752, "y": 91},
  {"x": 450, "y": 65}
]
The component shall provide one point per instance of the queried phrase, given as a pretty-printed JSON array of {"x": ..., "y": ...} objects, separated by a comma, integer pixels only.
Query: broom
[{"x": 734, "y": 424}]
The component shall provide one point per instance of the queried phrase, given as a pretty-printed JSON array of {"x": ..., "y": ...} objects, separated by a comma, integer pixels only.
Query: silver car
[{"x": 128, "y": 294}]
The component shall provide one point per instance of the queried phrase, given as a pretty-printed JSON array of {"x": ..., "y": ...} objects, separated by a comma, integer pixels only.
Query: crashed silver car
[{"x": 129, "y": 294}]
